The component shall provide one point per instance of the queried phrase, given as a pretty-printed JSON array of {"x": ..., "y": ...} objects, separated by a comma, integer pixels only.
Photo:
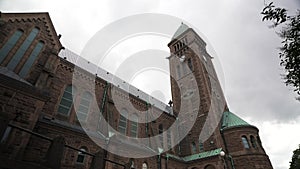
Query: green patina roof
[
  {"x": 174, "y": 156},
  {"x": 182, "y": 28},
  {"x": 203, "y": 155},
  {"x": 198, "y": 156},
  {"x": 232, "y": 120}
]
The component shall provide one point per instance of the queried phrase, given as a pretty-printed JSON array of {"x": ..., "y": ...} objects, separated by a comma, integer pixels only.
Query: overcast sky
[{"x": 245, "y": 47}]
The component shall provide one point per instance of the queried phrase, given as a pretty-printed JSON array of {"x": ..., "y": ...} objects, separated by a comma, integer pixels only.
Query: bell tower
[{"x": 194, "y": 81}]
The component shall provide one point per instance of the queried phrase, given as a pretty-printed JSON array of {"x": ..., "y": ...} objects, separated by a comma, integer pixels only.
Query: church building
[{"x": 58, "y": 113}]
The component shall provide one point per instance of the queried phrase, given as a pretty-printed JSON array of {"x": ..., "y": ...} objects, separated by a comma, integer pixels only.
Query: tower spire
[{"x": 181, "y": 29}]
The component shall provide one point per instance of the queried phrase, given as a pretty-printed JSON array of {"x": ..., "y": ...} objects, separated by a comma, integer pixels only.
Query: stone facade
[{"x": 38, "y": 116}]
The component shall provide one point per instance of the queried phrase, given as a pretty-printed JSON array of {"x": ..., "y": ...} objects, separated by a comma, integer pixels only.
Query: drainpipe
[
  {"x": 147, "y": 125},
  {"x": 231, "y": 161},
  {"x": 226, "y": 149},
  {"x": 104, "y": 97},
  {"x": 106, "y": 114},
  {"x": 159, "y": 161},
  {"x": 167, "y": 159}
]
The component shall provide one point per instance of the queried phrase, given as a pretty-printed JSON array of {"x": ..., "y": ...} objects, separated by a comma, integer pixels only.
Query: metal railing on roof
[{"x": 114, "y": 80}]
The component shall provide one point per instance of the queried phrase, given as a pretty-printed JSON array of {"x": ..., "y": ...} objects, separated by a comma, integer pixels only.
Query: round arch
[{"x": 209, "y": 166}]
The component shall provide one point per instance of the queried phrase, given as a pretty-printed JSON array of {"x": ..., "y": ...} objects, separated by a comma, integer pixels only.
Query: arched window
[
  {"x": 81, "y": 156},
  {"x": 184, "y": 69},
  {"x": 123, "y": 121},
  {"x": 245, "y": 142},
  {"x": 258, "y": 141},
  {"x": 190, "y": 64},
  {"x": 23, "y": 48},
  {"x": 84, "y": 106},
  {"x": 10, "y": 44},
  {"x": 29, "y": 62},
  {"x": 5, "y": 134},
  {"x": 178, "y": 71},
  {"x": 201, "y": 146},
  {"x": 161, "y": 137},
  {"x": 253, "y": 142},
  {"x": 209, "y": 166},
  {"x": 194, "y": 148},
  {"x": 66, "y": 101},
  {"x": 144, "y": 166},
  {"x": 179, "y": 148},
  {"x": 132, "y": 164},
  {"x": 134, "y": 126}
]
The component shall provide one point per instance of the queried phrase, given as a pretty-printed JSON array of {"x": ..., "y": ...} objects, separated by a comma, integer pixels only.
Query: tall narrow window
[
  {"x": 132, "y": 164},
  {"x": 123, "y": 121},
  {"x": 253, "y": 142},
  {"x": 84, "y": 106},
  {"x": 81, "y": 156},
  {"x": 258, "y": 141},
  {"x": 23, "y": 48},
  {"x": 10, "y": 44},
  {"x": 144, "y": 166},
  {"x": 178, "y": 71},
  {"x": 134, "y": 126},
  {"x": 201, "y": 146},
  {"x": 169, "y": 139},
  {"x": 184, "y": 69},
  {"x": 185, "y": 41},
  {"x": 245, "y": 142},
  {"x": 179, "y": 148},
  {"x": 161, "y": 137},
  {"x": 26, "y": 67},
  {"x": 6, "y": 134},
  {"x": 194, "y": 148},
  {"x": 190, "y": 64},
  {"x": 66, "y": 101}
]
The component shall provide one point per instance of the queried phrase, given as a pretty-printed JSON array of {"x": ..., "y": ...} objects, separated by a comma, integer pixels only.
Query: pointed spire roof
[
  {"x": 182, "y": 28},
  {"x": 232, "y": 120}
]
